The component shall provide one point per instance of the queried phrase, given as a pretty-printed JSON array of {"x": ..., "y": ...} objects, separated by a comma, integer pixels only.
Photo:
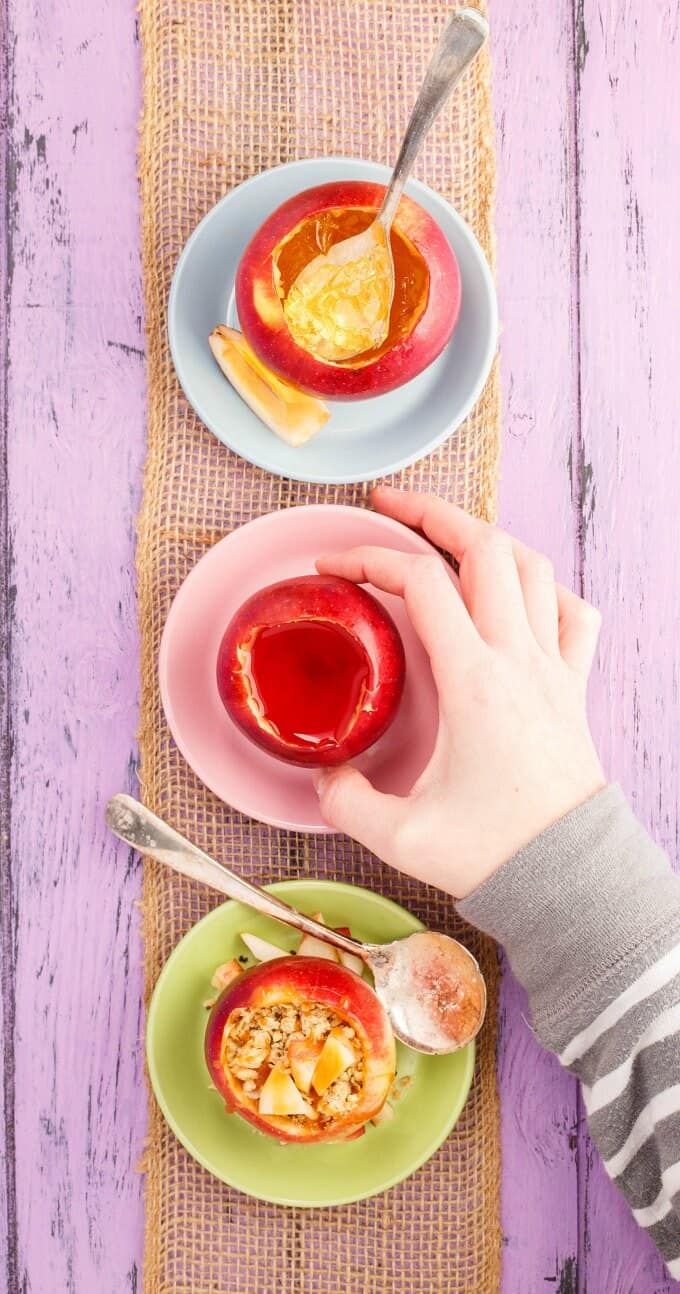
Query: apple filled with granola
[{"x": 302, "y": 1048}]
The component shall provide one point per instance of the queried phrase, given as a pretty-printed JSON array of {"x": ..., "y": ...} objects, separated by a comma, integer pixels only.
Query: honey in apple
[{"x": 315, "y": 235}]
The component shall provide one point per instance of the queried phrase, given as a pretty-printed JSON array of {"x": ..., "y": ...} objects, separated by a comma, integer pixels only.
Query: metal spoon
[
  {"x": 429, "y": 984},
  {"x": 460, "y": 42}
]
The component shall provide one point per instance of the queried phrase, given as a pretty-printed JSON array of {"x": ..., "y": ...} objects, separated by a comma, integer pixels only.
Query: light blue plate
[{"x": 363, "y": 439}]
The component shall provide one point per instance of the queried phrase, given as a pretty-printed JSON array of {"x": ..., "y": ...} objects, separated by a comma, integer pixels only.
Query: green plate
[{"x": 235, "y": 1152}]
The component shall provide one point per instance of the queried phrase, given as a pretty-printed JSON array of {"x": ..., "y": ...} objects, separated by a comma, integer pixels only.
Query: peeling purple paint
[{"x": 589, "y": 246}]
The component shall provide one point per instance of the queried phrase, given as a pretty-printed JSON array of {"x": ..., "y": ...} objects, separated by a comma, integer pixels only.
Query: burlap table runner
[{"x": 232, "y": 87}]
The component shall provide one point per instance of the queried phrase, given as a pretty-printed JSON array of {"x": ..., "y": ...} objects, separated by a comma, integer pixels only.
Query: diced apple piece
[
  {"x": 280, "y": 1096},
  {"x": 337, "y": 1056},
  {"x": 384, "y": 1115},
  {"x": 352, "y": 962},
  {"x": 287, "y": 411},
  {"x": 349, "y": 959},
  {"x": 310, "y": 946},
  {"x": 226, "y": 973},
  {"x": 261, "y": 949},
  {"x": 303, "y": 1054}
]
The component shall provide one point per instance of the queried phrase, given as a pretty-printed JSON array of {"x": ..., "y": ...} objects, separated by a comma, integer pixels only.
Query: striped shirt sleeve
[{"x": 589, "y": 914}]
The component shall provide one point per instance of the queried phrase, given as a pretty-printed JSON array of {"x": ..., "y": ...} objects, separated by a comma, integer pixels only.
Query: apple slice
[
  {"x": 350, "y": 960},
  {"x": 310, "y": 946},
  {"x": 303, "y": 1054},
  {"x": 280, "y": 1096},
  {"x": 226, "y": 973},
  {"x": 261, "y": 949},
  {"x": 282, "y": 407},
  {"x": 337, "y": 1056},
  {"x": 384, "y": 1115}
]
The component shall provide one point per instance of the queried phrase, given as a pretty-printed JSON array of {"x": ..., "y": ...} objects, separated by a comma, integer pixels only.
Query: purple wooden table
[{"x": 589, "y": 252}]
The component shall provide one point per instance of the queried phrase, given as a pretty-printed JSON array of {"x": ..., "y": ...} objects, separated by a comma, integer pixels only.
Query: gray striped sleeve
[{"x": 589, "y": 914}]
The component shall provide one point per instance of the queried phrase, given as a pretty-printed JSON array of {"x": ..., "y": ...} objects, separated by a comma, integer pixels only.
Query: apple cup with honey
[
  {"x": 302, "y": 1048},
  {"x": 312, "y": 669},
  {"x": 424, "y": 310}
]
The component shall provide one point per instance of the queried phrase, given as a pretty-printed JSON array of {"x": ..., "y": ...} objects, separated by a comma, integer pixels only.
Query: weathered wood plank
[
  {"x": 7, "y": 1156},
  {"x": 628, "y": 146},
  {"x": 75, "y": 418},
  {"x": 533, "y": 96}
]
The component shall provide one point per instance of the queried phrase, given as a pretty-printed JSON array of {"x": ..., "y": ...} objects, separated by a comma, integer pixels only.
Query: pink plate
[{"x": 271, "y": 548}]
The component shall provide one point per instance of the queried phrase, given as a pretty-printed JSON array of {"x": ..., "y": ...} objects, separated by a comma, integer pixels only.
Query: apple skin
[
  {"x": 261, "y": 313},
  {"x": 292, "y": 980},
  {"x": 325, "y": 598}
]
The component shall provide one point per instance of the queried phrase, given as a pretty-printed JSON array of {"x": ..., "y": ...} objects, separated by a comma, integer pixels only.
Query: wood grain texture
[
  {"x": 534, "y": 82},
  {"x": 588, "y": 234},
  {"x": 629, "y": 265},
  {"x": 7, "y": 1006},
  {"x": 591, "y": 461},
  {"x": 74, "y": 456}
]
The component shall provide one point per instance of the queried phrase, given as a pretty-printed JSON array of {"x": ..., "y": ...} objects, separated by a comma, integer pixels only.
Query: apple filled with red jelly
[
  {"x": 312, "y": 669},
  {"x": 302, "y": 1048}
]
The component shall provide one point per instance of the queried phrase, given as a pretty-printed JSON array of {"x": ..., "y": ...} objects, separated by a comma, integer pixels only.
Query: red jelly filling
[{"x": 310, "y": 678}]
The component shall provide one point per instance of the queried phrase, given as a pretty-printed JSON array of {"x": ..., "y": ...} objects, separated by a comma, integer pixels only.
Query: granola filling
[{"x": 258, "y": 1041}]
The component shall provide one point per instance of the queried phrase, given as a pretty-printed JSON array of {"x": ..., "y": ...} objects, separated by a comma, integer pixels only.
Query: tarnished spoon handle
[
  {"x": 140, "y": 828},
  {"x": 460, "y": 42}
]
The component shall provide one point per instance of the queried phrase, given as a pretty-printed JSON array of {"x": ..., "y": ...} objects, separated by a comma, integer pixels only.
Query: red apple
[
  {"x": 426, "y": 300},
  {"x": 311, "y": 669},
  {"x": 297, "y": 1094}
]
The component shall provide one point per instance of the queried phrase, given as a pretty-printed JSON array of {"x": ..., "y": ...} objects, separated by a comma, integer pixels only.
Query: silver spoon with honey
[
  {"x": 429, "y": 984},
  {"x": 339, "y": 305}
]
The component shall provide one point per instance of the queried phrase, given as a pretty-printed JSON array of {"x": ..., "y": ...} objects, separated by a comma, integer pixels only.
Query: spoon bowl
[{"x": 432, "y": 989}]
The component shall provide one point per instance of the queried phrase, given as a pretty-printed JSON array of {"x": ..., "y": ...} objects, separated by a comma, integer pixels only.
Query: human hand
[{"x": 510, "y": 652}]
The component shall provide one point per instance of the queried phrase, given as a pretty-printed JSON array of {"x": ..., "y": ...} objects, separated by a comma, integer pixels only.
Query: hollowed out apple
[
  {"x": 311, "y": 669},
  {"x": 426, "y": 300},
  {"x": 302, "y": 1048}
]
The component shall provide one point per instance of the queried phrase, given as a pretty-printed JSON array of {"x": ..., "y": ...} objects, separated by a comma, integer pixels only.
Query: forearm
[{"x": 589, "y": 914}]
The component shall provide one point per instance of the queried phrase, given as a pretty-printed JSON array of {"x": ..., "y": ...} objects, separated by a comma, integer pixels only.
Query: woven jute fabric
[{"x": 232, "y": 87}]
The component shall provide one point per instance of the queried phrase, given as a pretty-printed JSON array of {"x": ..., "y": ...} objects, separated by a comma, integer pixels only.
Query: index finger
[
  {"x": 434, "y": 605},
  {"x": 451, "y": 528},
  {"x": 489, "y": 576},
  {"x": 444, "y": 523}
]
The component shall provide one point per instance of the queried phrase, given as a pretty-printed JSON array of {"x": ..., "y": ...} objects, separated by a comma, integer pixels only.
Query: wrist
[
  {"x": 517, "y": 832},
  {"x": 589, "y": 893}
]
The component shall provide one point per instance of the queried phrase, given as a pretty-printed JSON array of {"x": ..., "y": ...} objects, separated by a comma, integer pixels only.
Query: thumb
[{"x": 349, "y": 803}]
